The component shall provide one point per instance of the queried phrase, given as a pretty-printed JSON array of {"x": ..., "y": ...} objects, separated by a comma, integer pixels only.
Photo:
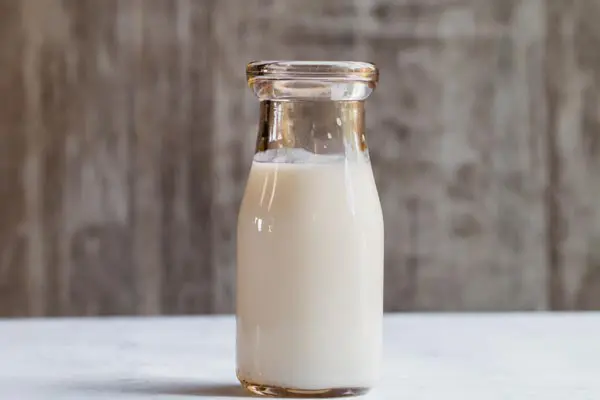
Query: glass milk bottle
[{"x": 310, "y": 235}]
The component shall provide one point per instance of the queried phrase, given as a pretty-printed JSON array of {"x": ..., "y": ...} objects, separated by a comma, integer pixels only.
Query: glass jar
[{"x": 310, "y": 235}]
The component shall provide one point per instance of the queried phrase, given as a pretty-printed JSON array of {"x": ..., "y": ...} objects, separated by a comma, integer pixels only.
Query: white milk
[{"x": 310, "y": 275}]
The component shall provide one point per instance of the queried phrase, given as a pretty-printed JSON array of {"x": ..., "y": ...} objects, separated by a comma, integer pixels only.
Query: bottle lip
[{"x": 350, "y": 71}]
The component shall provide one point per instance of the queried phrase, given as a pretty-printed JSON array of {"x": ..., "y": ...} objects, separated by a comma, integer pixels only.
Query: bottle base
[{"x": 278, "y": 391}]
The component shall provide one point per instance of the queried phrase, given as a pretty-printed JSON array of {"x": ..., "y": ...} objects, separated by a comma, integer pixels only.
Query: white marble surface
[{"x": 466, "y": 357}]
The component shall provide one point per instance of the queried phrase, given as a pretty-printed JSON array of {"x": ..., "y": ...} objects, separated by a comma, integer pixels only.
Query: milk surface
[{"x": 310, "y": 273}]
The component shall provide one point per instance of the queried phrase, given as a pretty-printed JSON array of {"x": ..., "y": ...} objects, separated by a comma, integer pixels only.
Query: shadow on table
[{"x": 198, "y": 389}]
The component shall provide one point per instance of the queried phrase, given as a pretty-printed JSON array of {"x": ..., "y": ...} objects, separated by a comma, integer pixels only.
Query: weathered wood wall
[{"x": 126, "y": 132}]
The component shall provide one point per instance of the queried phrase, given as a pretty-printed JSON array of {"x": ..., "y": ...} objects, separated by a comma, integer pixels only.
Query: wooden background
[{"x": 127, "y": 129}]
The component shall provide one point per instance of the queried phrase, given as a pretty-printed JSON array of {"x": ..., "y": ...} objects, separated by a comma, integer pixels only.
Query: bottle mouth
[
  {"x": 331, "y": 70},
  {"x": 312, "y": 80}
]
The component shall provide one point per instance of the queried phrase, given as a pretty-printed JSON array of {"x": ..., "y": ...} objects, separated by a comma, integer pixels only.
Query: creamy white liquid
[{"x": 310, "y": 275}]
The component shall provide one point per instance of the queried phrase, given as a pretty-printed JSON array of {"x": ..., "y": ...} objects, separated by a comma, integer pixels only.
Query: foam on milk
[{"x": 296, "y": 156}]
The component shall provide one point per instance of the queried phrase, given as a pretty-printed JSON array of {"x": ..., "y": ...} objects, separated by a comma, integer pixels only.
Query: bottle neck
[{"x": 321, "y": 127}]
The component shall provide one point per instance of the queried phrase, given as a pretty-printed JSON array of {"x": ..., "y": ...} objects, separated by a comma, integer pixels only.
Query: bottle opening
[
  {"x": 312, "y": 80},
  {"x": 334, "y": 70}
]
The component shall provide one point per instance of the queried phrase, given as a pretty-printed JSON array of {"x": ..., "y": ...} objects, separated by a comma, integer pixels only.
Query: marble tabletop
[{"x": 427, "y": 356}]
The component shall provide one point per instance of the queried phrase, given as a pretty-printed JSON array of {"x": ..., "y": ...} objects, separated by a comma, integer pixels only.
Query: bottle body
[
  {"x": 310, "y": 275},
  {"x": 310, "y": 243}
]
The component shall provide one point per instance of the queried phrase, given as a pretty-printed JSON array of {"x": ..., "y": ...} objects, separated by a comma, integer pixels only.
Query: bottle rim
[{"x": 350, "y": 71}]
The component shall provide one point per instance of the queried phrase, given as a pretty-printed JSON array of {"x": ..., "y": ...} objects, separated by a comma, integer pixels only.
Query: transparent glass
[{"x": 310, "y": 236}]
